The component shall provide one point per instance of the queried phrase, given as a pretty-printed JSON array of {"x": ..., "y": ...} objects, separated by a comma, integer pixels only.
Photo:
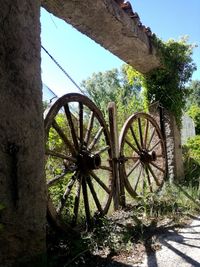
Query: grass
[{"x": 119, "y": 232}]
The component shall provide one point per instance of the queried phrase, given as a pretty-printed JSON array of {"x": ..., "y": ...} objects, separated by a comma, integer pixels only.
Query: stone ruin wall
[
  {"x": 175, "y": 170},
  {"x": 22, "y": 185}
]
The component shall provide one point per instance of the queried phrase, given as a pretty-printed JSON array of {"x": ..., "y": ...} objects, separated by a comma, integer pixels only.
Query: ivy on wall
[{"x": 166, "y": 84}]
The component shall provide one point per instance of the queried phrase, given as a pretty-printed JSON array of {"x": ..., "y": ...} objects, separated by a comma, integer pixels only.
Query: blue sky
[{"x": 80, "y": 56}]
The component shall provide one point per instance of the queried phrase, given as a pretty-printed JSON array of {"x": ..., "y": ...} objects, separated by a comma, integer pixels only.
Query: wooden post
[{"x": 115, "y": 152}]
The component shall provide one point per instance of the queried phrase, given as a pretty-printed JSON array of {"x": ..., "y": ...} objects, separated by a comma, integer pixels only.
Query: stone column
[
  {"x": 172, "y": 135},
  {"x": 22, "y": 185},
  {"x": 174, "y": 149}
]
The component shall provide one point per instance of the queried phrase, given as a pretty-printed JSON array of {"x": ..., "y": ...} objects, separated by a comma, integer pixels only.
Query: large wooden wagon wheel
[
  {"x": 78, "y": 162},
  {"x": 142, "y": 154}
]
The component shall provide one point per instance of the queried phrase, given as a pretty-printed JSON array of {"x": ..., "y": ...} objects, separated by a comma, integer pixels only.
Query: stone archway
[{"x": 22, "y": 186}]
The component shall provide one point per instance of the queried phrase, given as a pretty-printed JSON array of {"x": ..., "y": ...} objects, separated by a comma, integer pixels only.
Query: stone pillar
[
  {"x": 172, "y": 135},
  {"x": 22, "y": 185}
]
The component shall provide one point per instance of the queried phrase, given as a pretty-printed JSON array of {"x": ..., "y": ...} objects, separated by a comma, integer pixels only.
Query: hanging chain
[{"x": 61, "y": 68}]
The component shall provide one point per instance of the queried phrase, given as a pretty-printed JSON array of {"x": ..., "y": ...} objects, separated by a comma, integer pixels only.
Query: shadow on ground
[
  {"x": 76, "y": 253},
  {"x": 167, "y": 234}
]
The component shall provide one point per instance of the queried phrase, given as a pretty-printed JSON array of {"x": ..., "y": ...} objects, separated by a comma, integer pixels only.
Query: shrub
[
  {"x": 194, "y": 113},
  {"x": 191, "y": 157}
]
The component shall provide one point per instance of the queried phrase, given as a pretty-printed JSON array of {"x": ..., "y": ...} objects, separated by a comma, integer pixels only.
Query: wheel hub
[
  {"x": 147, "y": 157},
  {"x": 87, "y": 161}
]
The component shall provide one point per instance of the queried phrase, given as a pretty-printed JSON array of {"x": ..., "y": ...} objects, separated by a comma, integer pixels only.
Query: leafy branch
[{"x": 166, "y": 84}]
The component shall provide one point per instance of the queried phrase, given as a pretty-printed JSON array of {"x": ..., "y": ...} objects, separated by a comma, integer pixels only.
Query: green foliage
[
  {"x": 191, "y": 157},
  {"x": 121, "y": 232},
  {"x": 173, "y": 201},
  {"x": 137, "y": 81},
  {"x": 194, "y": 113},
  {"x": 122, "y": 87},
  {"x": 102, "y": 87},
  {"x": 108, "y": 236},
  {"x": 167, "y": 83},
  {"x": 54, "y": 166},
  {"x": 134, "y": 78},
  {"x": 194, "y": 89},
  {"x": 193, "y": 145}
]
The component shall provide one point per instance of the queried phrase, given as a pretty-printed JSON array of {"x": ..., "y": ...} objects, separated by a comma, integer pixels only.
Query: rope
[{"x": 61, "y": 68}]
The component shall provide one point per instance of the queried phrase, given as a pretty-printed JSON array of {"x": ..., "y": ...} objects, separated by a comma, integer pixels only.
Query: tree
[
  {"x": 115, "y": 85},
  {"x": 193, "y": 103},
  {"x": 194, "y": 90},
  {"x": 102, "y": 87},
  {"x": 194, "y": 113}
]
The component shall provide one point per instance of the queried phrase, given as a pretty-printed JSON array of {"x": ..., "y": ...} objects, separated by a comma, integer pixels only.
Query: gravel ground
[{"x": 179, "y": 248}]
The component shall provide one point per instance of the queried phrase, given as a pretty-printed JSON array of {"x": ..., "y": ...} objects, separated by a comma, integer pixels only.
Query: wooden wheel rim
[
  {"x": 145, "y": 156},
  {"x": 82, "y": 154}
]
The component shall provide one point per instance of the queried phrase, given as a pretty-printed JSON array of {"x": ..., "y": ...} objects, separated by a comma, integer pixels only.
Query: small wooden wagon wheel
[
  {"x": 142, "y": 154},
  {"x": 78, "y": 162}
]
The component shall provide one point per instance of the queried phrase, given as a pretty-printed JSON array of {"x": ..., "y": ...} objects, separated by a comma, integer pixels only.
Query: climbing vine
[{"x": 166, "y": 84}]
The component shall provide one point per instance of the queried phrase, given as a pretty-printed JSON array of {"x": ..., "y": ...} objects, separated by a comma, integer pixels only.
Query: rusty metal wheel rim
[
  {"x": 142, "y": 153},
  {"x": 84, "y": 162}
]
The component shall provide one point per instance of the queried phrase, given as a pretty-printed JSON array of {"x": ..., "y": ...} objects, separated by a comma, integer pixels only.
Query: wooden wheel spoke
[
  {"x": 135, "y": 138},
  {"x": 96, "y": 178},
  {"x": 77, "y": 201},
  {"x": 86, "y": 202},
  {"x": 143, "y": 182},
  {"x": 66, "y": 194},
  {"x": 102, "y": 150},
  {"x": 55, "y": 179},
  {"x": 146, "y": 133},
  {"x": 89, "y": 128},
  {"x": 63, "y": 137},
  {"x": 151, "y": 137},
  {"x": 140, "y": 132},
  {"x": 160, "y": 156},
  {"x": 131, "y": 158},
  {"x": 81, "y": 123},
  {"x": 83, "y": 139},
  {"x": 70, "y": 167},
  {"x": 132, "y": 146},
  {"x": 154, "y": 176},
  {"x": 96, "y": 138},
  {"x": 157, "y": 167},
  {"x": 93, "y": 192},
  {"x": 133, "y": 168},
  {"x": 106, "y": 168},
  {"x": 59, "y": 155},
  {"x": 138, "y": 178},
  {"x": 155, "y": 145},
  {"x": 71, "y": 125},
  {"x": 148, "y": 179},
  {"x": 144, "y": 162}
]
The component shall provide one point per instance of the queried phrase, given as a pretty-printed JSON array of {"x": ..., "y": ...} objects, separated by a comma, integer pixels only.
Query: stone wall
[
  {"x": 172, "y": 137},
  {"x": 22, "y": 185}
]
